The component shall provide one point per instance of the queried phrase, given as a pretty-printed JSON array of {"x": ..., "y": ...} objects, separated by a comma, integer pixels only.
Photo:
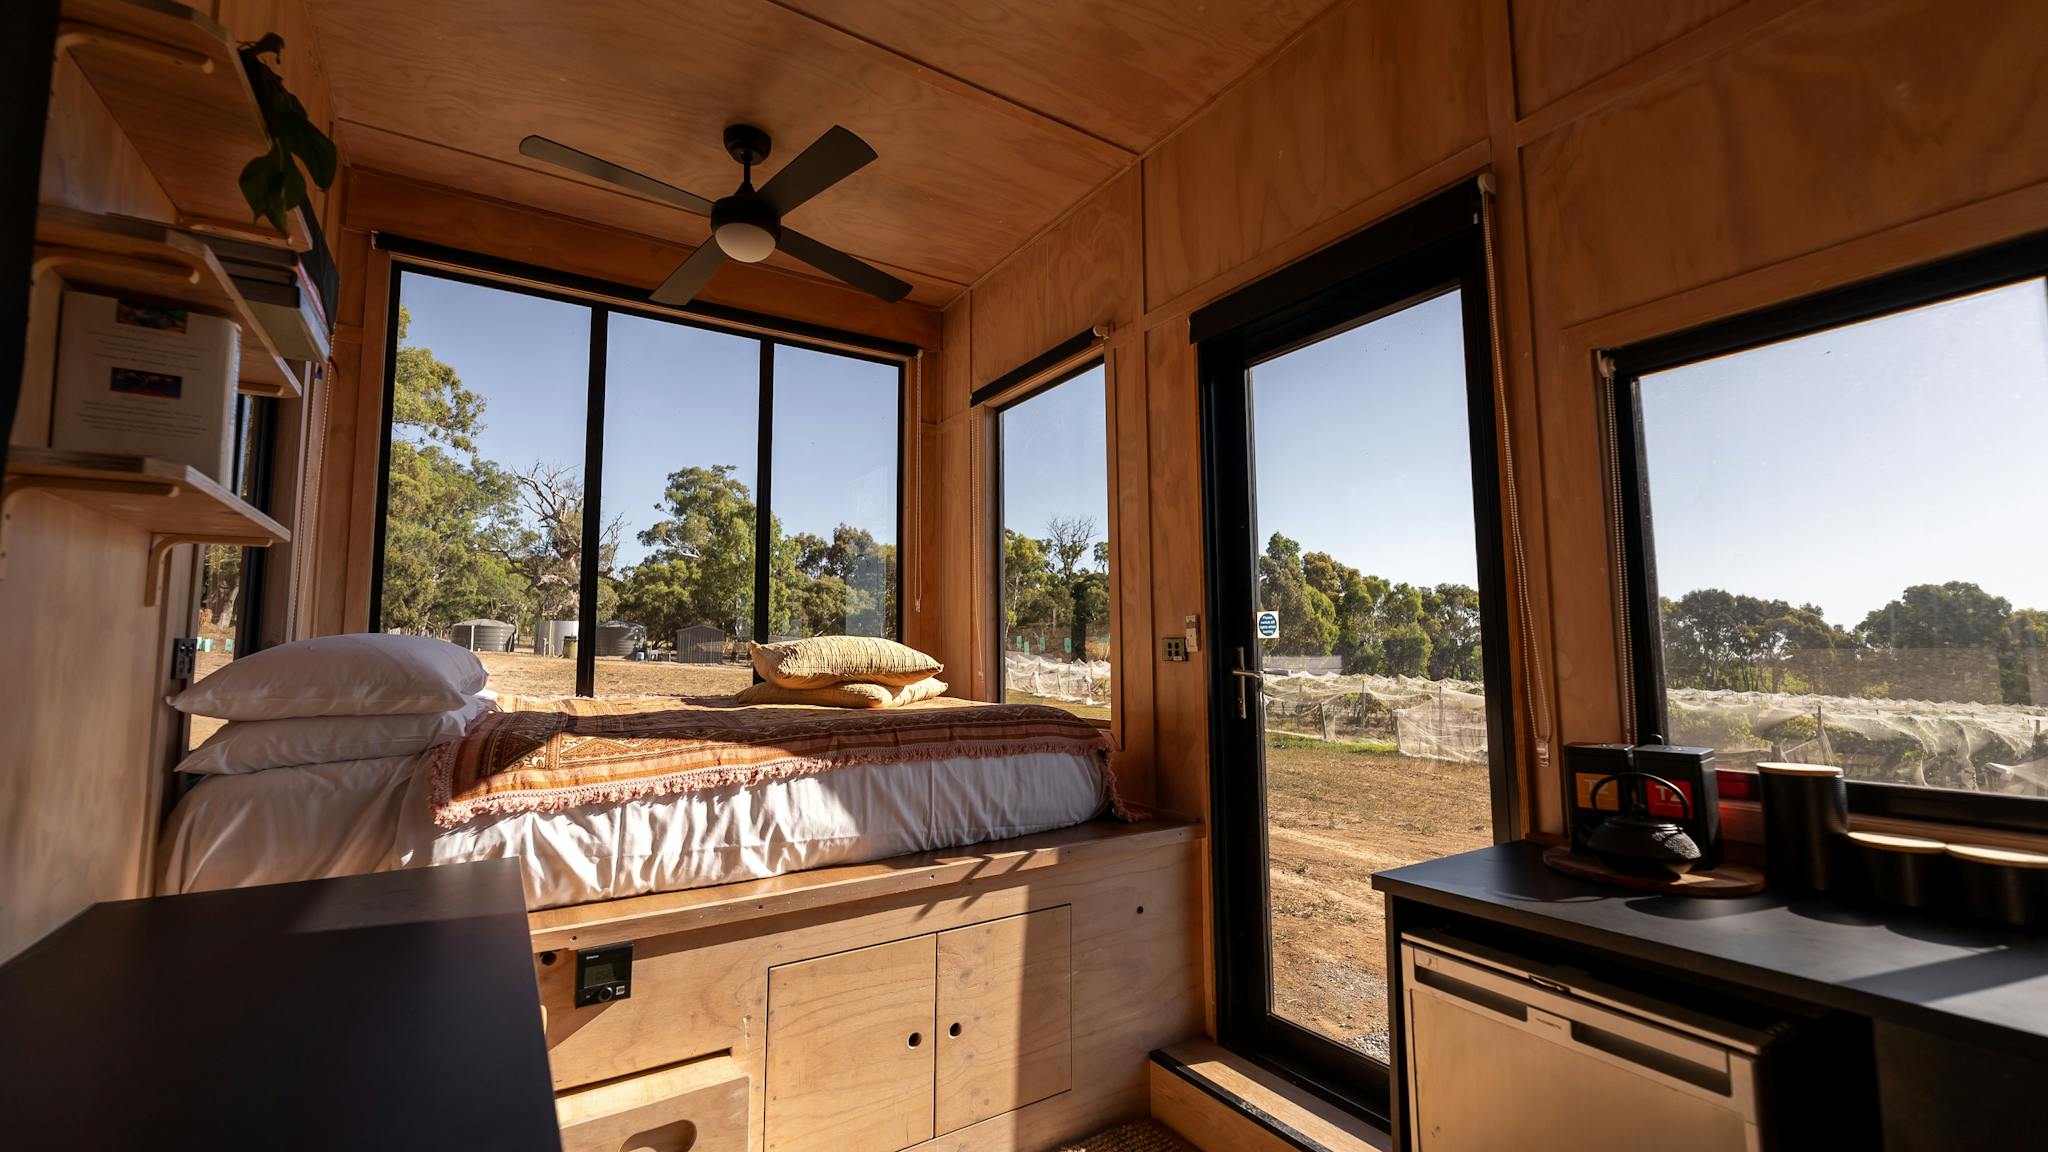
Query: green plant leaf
[
  {"x": 312, "y": 146},
  {"x": 263, "y": 186},
  {"x": 294, "y": 187},
  {"x": 272, "y": 184}
]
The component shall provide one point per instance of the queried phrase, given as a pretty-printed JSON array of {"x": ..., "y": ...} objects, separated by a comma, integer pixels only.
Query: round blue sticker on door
[{"x": 1269, "y": 625}]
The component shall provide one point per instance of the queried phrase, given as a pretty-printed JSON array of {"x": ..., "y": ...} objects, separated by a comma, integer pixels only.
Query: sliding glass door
[{"x": 1359, "y": 711}]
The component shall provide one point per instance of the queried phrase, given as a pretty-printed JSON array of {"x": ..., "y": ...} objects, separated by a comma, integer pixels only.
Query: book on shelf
[
  {"x": 139, "y": 379},
  {"x": 290, "y": 293},
  {"x": 289, "y": 311}
]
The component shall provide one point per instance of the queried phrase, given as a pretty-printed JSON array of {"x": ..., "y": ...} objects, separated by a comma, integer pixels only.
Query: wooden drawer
[{"x": 699, "y": 1106}]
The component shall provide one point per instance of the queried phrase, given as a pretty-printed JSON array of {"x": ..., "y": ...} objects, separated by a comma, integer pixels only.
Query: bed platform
[{"x": 1000, "y": 995}]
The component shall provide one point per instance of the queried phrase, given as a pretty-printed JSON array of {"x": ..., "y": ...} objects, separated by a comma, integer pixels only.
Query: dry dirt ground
[{"x": 1337, "y": 813}]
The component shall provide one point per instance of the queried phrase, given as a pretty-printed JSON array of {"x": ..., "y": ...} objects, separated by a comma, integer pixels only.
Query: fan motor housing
[
  {"x": 743, "y": 208},
  {"x": 746, "y": 143}
]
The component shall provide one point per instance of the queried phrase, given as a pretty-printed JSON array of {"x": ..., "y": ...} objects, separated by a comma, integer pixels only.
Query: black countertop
[
  {"x": 1975, "y": 982},
  {"x": 390, "y": 1011}
]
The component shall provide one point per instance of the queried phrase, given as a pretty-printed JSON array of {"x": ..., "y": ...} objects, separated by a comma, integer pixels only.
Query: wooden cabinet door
[
  {"x": 1005, "y": 1016},
  {"x": 849, "y": 1061}
]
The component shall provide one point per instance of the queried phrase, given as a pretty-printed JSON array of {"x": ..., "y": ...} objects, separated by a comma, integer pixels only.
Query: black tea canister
[
  {"x": 1806, "y": 818},
  {"x": 2002, "y": 884},
  {"x": 1909, "y": 871}
]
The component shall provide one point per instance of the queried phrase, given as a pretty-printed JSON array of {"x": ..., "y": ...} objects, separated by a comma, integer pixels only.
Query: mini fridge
[{"x": 1506, "y": 1053}]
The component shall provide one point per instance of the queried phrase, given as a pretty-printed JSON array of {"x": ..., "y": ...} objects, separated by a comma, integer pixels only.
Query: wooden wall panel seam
[
  {"x": 953, "y": 81},
  {"x": 1722, "y": 34}
]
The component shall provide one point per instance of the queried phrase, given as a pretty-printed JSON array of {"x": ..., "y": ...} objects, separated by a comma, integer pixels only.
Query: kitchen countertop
[{"x": 1972, "y": 981}]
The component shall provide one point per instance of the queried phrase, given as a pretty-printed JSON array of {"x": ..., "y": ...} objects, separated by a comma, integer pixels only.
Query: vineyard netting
[
  {"x": 1975, "y": 747},
  {"x": 2000, "y": 748},
  {"x": 1078, "y": 682}
]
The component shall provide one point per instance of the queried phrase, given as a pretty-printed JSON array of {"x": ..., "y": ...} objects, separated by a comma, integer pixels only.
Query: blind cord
[{"x": 1533, "y": 684}]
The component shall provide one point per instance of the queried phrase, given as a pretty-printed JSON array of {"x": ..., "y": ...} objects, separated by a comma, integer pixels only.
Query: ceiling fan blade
[
  {"x": 830, "y": 158},
  {"x": 561, "y": 155},
  {"x": 690, "y": 276},
  {"x": 832, "y": 261}
]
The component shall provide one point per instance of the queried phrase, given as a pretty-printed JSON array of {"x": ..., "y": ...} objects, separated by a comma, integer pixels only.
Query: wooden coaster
[{"x": 1727, "y": 880}]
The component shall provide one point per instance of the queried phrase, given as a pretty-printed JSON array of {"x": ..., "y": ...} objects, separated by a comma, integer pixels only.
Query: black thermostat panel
[{"x": 604, "y": 974}]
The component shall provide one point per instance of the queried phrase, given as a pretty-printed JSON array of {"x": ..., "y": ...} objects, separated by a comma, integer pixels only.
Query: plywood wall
[
  {"x": 85, "y": 740},
  {"x": 1659, "y": 166}
]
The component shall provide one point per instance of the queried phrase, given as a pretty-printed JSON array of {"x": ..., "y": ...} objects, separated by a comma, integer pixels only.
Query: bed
[{"x": 759, "y": 792}]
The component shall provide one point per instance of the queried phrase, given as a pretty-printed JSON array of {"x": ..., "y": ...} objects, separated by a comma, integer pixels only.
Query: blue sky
[
  {"x": 675, "y": 396},
  {"x": 1056, "y": 456},
  {"x": 1842, "y": 467},
  {"x": 1363, "y": 447}
]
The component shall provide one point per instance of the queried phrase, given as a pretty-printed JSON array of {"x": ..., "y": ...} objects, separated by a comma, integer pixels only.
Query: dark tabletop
[
  {"x": 1972, "y": 981},
  {"x": 391, "y": 1011}
]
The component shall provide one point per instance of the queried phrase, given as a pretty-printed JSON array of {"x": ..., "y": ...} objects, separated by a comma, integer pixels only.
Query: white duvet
[{"x": 372, "y": 815}]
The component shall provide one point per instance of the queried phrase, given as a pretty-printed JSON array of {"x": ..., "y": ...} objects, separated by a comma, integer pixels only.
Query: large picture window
[
  {"x": 574, "y": 489},
  {"x": 1835, "y": 551},
  {"x": 1054, "y": 561}
]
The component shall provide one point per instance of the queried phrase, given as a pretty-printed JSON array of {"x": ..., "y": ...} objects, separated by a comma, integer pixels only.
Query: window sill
[{"x": 1221, "y": 1102}]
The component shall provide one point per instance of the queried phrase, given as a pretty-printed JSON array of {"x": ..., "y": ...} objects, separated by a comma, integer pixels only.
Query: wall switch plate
[
  {"x": 184, "y": 654},
  {"x": 1174, "y": 648},
  {"x": 1193, "y": 626}
]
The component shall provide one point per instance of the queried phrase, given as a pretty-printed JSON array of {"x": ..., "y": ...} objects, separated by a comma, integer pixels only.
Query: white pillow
[
  {"x": 361, "y": 674},
  {"x": 256, "y": 745}
]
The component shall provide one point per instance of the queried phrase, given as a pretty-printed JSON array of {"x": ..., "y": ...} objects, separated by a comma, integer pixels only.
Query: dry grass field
[
  {"x": 534, "y": 675},
  {"x": 1337, "y": 813}
]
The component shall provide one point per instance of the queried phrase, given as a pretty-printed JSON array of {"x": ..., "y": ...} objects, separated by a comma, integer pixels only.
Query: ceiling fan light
[{"x": 746, "y": 242}]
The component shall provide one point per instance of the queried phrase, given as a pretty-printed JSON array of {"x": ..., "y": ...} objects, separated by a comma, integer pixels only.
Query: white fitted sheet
[{"x": 372, "y": 815}]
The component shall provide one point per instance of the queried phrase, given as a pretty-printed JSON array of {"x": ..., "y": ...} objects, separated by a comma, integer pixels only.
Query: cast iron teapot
[{"x": 1633, "y": 839}]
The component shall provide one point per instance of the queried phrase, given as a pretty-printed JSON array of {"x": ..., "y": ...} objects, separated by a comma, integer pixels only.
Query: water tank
[
  {"x": 484, "y": 635},
  {"x": 619, "y": 638},
  {"x": 550, "y": 637}
]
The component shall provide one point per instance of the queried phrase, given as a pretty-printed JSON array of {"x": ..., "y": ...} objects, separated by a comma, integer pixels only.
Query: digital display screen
[{"x": 605, "y": 972}]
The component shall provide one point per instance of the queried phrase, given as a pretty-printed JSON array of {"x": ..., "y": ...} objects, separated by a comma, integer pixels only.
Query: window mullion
[
  {"x": 592, "y": 531},
  {"x": 764, "y": 471}
]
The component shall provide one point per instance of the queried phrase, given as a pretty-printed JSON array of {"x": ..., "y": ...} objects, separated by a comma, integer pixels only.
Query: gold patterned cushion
[
  {"x": 819, "y": 661},
  {"x": 856, "y": 695}
]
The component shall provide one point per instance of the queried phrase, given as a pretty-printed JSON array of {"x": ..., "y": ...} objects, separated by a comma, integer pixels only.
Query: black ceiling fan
[{"x": 747, "y": 225}]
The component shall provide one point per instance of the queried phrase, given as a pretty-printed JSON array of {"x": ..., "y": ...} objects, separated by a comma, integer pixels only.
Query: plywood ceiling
[{"x": 991, "y": 117}]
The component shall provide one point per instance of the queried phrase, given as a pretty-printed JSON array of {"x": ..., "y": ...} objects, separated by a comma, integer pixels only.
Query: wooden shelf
[
  {"x": 174, "y": 503},
  {"x": 173, "y": 81},
  {"x": 144, "y": 258}
]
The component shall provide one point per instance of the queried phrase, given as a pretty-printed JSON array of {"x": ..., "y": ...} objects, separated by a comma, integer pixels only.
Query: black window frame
[
  {"x": 255, "y": 417},
  {"x": 605, "y": 299},
  {"x": 1967, "y": 274},
  {"x": 1422, "y": 252},
  {"x": 993, "y": 410}
]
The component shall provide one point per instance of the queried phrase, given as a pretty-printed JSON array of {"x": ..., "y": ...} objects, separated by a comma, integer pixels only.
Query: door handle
[{"x": 1245, "y": 675}]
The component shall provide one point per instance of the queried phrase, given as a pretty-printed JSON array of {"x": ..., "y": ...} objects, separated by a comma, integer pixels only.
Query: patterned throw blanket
[{"x": 545, "y": 754}]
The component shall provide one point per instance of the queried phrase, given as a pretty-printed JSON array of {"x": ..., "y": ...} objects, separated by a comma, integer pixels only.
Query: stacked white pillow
[{"x": 335, "y": 698}]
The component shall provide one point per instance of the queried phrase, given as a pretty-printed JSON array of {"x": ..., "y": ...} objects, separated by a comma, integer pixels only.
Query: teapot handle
[{"x": 1684, "y": 804}]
